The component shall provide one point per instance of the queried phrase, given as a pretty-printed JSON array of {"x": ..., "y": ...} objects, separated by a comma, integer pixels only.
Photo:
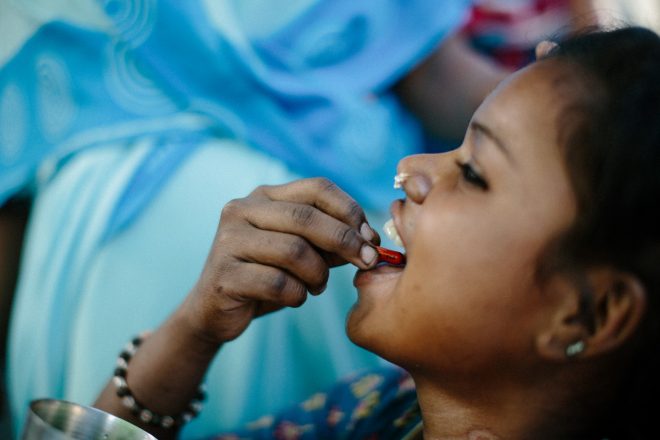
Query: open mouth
[
  {"x": 389, "y": 256},
  {"x": 390, "y": 264}
]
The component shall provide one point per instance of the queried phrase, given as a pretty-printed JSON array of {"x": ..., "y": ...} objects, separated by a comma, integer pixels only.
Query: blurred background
[
  {"x": 490, "y": 19},
  {"x": 642, "y": 12}
]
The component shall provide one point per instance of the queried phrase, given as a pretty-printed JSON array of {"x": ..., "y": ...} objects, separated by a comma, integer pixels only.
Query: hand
[{"x": 271, "y": 249}]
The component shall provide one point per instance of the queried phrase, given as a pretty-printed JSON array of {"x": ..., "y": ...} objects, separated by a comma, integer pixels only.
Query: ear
[{"x": 593, "y": 315}]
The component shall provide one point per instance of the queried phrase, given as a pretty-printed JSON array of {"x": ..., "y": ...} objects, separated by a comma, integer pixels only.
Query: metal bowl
[{"x": 50, "y": 419}]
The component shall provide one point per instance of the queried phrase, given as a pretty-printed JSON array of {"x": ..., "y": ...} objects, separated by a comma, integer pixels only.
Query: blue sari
[{"x": 131, "y": 131}]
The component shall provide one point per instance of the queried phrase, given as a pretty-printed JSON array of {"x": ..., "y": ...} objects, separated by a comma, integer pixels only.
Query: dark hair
[{"x": 612, "y": 151}]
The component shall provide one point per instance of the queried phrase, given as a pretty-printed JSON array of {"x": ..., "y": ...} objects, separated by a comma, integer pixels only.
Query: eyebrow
[{"x": 478, "y": 126}]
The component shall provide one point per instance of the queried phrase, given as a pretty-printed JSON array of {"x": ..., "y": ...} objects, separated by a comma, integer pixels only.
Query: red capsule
[{"x": 390, "y": 257}]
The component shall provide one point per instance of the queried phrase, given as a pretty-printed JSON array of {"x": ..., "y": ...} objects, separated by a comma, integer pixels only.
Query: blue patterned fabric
[
  {"x": 133, "y": 132},
  {"x": 378, "y": 404},
  {"x": 311, "y": 91}
]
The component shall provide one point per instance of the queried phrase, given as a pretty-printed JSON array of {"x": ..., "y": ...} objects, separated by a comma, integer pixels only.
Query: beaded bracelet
[{"x": 147, "y": 416}]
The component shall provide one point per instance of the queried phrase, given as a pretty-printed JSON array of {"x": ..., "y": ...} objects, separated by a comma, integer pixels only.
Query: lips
[
  {"x": 389, "y": 256},
  {"x": 387, "y": 270},
  {"x": 383, "y": 273}
]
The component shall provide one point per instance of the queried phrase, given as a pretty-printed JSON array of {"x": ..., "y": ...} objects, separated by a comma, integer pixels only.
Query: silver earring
[{"x": 574, "y": 349}]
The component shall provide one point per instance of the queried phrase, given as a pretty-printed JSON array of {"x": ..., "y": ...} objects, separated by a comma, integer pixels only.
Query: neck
[{"x": 487, "y": 412}]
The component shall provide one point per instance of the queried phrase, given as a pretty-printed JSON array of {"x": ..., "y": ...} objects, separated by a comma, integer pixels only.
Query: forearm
[{"x": 164, "y": 374}]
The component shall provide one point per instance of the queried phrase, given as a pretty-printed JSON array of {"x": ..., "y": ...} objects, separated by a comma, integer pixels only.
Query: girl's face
[{"x": 474, "y": 224}]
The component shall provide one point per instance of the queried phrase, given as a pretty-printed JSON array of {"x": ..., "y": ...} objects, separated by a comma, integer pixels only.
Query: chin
[
  {"x": 357, "y": 325},
  {"x": 368, "y": 325},
  {"x": 363, "y": 329},
  {"x": 369, "y": 322}
]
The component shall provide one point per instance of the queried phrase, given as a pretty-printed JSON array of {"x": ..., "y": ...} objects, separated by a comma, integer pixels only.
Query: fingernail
[
  {"x": 366, "y": 232},
  {"x": 368, "y": 254}
]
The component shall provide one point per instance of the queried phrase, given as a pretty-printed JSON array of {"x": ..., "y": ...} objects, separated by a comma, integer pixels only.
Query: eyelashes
[{"x": 469, "y": 174}]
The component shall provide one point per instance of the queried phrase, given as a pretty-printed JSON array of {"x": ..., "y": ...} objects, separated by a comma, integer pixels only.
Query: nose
[{"x": 421, "y": 172}]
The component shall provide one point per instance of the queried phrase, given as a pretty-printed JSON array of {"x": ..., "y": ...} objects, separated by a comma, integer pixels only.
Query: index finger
[
  {"x": 318, "y": 228},
  {"x": 326, "y": 196}
]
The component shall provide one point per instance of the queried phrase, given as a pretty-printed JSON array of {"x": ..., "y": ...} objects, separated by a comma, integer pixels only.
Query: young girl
[{"x": 528, "y": 306}]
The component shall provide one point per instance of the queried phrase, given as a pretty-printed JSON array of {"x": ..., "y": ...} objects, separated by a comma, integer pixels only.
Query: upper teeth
[{"x": 392, "y": 233}]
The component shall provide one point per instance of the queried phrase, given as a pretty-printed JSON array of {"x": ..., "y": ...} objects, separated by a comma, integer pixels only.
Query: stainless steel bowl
[{"x": 50, "y": 419}]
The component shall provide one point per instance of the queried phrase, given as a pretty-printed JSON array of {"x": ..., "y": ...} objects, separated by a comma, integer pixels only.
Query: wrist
[
  {"x": 137, "y": 409},
  {"x": 184, "y": 325}
]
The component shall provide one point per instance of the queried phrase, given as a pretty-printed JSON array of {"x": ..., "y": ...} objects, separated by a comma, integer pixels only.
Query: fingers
[
  {"x": 291, "y": 253},
  {"x": 250, "y": 272},
  {"x": 317, "y": 227},
  {"x": 274, "y": 246},
  {"x": 322, "y": 194},
  {"x": 268, "y": 286},
  {"x": 319, "y": 211},
  {"x": 227, "y": 299}
]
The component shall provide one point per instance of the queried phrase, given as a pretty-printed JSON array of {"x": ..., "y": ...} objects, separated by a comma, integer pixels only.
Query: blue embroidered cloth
[
  {"x": 376, "y": 405},
  {"x": 304, "y": 81}
]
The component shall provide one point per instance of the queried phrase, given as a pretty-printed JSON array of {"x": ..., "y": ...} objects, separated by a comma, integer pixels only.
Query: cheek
[
  {"x": 472, "y": 247},
  {"x": 468, "y": 277}
]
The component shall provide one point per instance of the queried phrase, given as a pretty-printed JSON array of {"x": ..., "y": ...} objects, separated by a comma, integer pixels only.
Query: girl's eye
[{"x": 471, "y": 176}]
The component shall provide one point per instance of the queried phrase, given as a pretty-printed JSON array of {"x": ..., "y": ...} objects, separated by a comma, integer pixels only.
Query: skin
[
  {"x": 450, "y": 224},
  {"x": 473, "y": 239},
  {"x": 484, "y": 340}
]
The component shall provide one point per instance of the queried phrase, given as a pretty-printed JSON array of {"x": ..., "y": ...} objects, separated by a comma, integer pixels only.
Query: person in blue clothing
[
  {"x": 128, "y": 124},
  {"x": 527, "y": 308}
]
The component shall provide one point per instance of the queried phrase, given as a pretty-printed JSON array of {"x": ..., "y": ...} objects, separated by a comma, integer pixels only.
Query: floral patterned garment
[{"x": 376, "y": 404}]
